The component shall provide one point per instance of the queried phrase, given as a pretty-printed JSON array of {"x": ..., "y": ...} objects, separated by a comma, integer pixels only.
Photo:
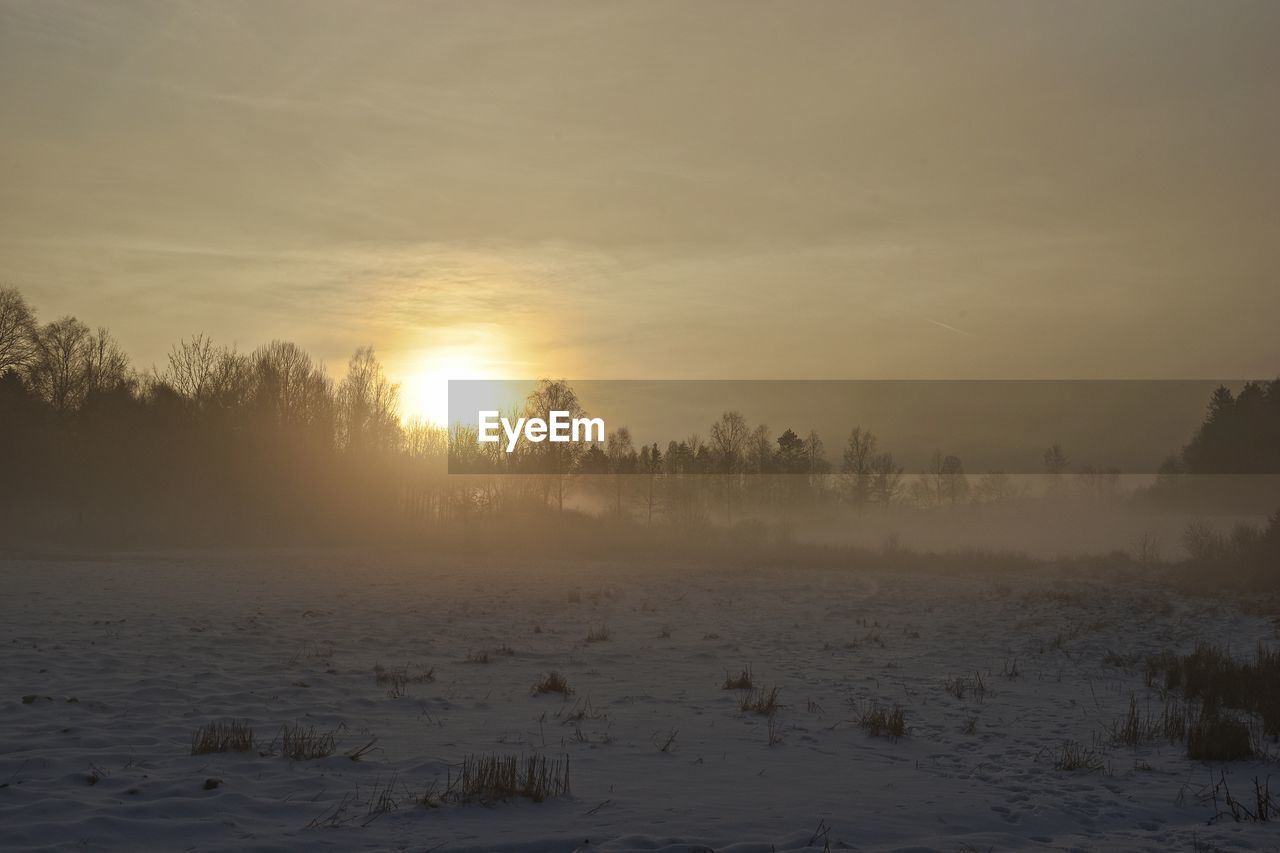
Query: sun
[
  {"x": 473, "y": 354},
  {"x": 424, "y": 392}
]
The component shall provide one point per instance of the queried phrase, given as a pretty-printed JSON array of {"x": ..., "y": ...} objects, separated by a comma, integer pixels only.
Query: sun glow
[{"x": 424, "y": 392}]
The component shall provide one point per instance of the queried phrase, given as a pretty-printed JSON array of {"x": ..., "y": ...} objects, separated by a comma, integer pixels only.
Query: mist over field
[{"x": 935, "y": 498}]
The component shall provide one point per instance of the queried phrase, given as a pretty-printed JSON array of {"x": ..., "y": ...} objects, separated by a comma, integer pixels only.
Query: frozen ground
[{"x": 151, "y": 648}]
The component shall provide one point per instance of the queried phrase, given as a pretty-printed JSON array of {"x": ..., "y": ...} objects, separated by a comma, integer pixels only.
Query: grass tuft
[
  {"x": 762, "y": 701},
  {"x": 1217, "y": 680},
  {"x": 740, "y": 682},
  {"x": 879, "y": 721},
  {"x": 498, "y": 778},
  {"x": 397, "y": 679},
  {"x": 222, "y": 736},
  {"x": 962, "y": 686},
  {"x": 1076, "y": 756},
  {"x": 304, "y": 743},
  {"x": 552, "y": 682},
  {"x": 1218, "y": 738}
]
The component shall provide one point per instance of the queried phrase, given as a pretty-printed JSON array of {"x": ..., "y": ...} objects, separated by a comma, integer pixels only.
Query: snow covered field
[{"x": 110, "y": 665}]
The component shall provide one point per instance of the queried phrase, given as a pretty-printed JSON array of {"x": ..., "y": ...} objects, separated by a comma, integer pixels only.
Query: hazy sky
[{"x": 684, "y": 189}]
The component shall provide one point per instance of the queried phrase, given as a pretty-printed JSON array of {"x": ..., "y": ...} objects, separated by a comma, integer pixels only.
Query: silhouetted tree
[
  {"x": 1240, "y": 434},
  {"x": 621, "y": 456},
  {"x": 995, "y": 487},
  {"x": 291, "y": 388},
  {"x": 955, "y": 483},
  {"x": 886, "y": 479},
  {"x": 71, "y": 363},
  {"x": 193, "y": 369},
  {"x": 944, "y": 481},
  {"x": 651, "y": 467},
  {"x": 1055, "y": 466},
  {"x": 790, "y": 457},
  {"x": 856, "y": 467},
  {"x": 17, "y": 331},
  {"x": 556, "y": 460},
  {"x": 728, "y": 440},
  {"x": 367, "y": 404}
]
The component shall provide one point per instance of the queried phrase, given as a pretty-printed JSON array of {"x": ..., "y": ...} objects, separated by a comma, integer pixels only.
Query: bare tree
[
  {"x": 817, "y": 465},
  {"x": 367, "y": 406},
  {"x": 71, "y": 364},
  {"x": 557, "y": 459},
  {"x": 944, "y": 481},
  {"x": 955, "y": 485},
  {"x": 651, "y": 468},
  {"x": 758, "y": 461},
  {"x": 54, "y": 370},
  {"x": 1055, "y": 465},
  {"x": 106, "y": 365},
  {"x": 290, "y": 386},
  {"x": 232, "y": 383},
  {"x": 995, "y": 487},
  {"x": 193, "y": 368},
  {"x": 759, "y": 453},
  {"x": 17, "y": 331},
  {"x": 856, "y": 466},
  {"x": 728, "y": 439},
  {"x": 1055, "y": 460},
  {"x": 886, "y": 479},
  {"x": 621, "y": 456}
]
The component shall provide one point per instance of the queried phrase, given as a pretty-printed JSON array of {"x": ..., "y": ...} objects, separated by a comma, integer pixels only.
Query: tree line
[{"x": 224, "y": 445}]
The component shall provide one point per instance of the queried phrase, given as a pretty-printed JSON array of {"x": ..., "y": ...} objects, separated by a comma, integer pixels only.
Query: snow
[{"x": 136, "y": 652}]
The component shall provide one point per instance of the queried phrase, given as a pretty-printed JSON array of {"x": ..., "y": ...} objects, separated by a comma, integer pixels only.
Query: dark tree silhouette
[{"x": 17, "y": 331}]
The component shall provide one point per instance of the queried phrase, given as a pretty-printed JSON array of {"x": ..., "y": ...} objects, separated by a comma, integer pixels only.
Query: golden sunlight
[
  {"x": 424, "y": 374},
  {"x": 424, "y": 391}
]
